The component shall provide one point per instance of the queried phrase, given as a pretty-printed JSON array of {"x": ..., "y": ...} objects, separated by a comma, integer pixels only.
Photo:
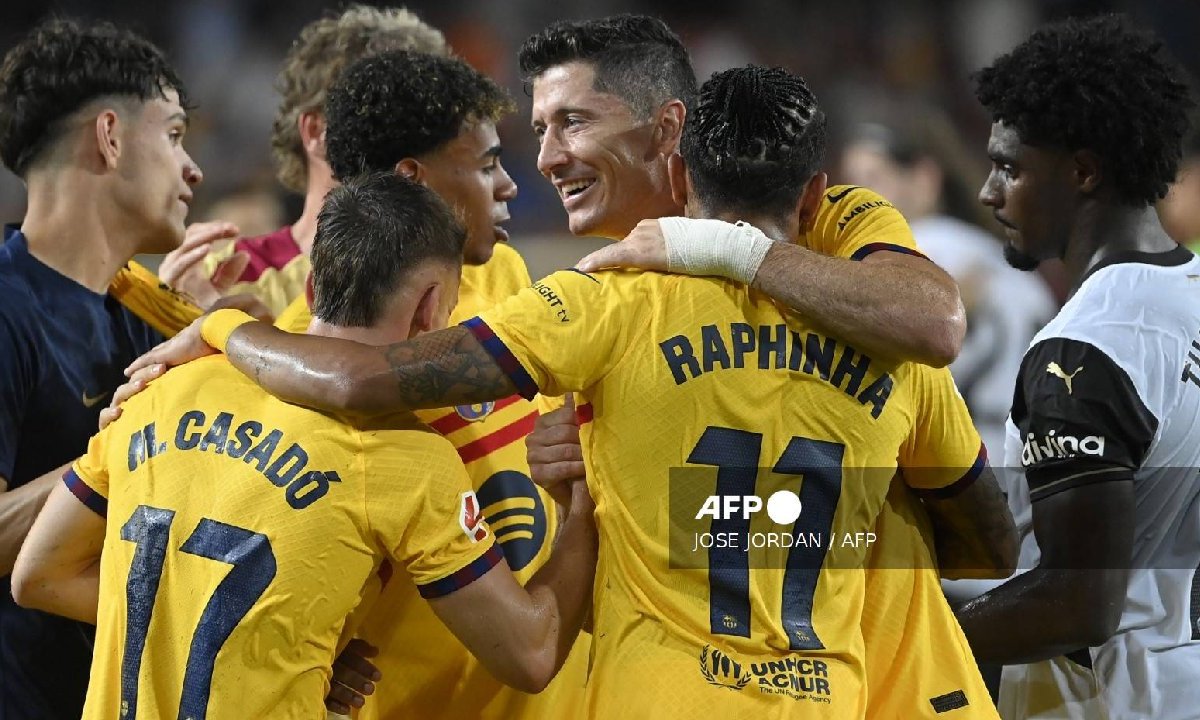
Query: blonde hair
[{"x": 322, "y": 50}]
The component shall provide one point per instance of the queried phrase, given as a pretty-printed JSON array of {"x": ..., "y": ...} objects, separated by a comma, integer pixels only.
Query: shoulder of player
[
  {"x": 403, "y": 440},
  {"x": 843, "y": 202}
]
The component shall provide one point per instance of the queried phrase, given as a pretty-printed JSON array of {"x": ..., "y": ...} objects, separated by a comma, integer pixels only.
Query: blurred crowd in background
[{"x": 902, "y": 65}]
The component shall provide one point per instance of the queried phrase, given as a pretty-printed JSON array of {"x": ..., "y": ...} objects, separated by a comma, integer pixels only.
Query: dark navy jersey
[{"x": 62, "y": 352}]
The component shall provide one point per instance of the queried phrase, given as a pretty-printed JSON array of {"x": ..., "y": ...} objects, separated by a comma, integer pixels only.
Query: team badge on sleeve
[{"x": 470, "y": 517}]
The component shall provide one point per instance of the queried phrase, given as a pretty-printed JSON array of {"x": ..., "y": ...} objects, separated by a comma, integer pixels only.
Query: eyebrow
[
  {"x": 182, "y": 117},
  {"x": 562, "y": 112},
  {"x": 493, "y": 152}
]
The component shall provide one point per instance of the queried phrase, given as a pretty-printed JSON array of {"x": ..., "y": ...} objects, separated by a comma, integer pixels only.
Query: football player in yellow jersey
[
  {"x": 709, "y": 373},
  {"x": 432, "y": 119},
  {"x": 274, "y": 267},
  {"x": 238, "y": 532},
  {"x": 608, "y": 94}
]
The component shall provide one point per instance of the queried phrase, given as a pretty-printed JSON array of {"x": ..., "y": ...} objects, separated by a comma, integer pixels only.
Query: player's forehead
[
  {"x": 1004, "y": 140},
  {"x": 476, "y": 138},
  {"x": 570, "y": 87}
]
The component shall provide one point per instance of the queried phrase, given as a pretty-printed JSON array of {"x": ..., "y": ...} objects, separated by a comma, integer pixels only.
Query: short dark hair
[
  {"x": 371, "y": 232},
  {"x": 400, "y": 104},
  {"x": 754, "y": 139},
  {"x": 636, "y": 57},
  {"x": 1095, "y": 84},
  {"x": 61, "y": 66}
]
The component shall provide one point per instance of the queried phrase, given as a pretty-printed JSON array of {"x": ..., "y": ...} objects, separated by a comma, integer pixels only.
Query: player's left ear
[
  {"x": 810, "y": 200},
  {"x": 312, "y": 133},
  {"x": 426, "y": 317},
  {"x": 677, "y": 175},
  {"x": 1088, "y": 171},
  {"x": 668, "y": 126},
  {"x": 108, "y": 140}
]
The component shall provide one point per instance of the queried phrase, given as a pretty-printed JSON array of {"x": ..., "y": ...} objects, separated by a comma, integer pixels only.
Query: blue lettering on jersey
[
  {"x": 287, "y": 469},
  {"x": 776, "y": 348}
]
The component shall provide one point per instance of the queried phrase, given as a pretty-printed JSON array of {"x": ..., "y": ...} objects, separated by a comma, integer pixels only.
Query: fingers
[
  {"x": 607, "y": 256},
  {"x": 569, "y": 402},
  {"x": 109, "y": 415},
  {"x": 206, "y": 233},
  {"x": 172, "y": 269},
  {"x": 229, "y": 270},
  {"x": 184, "y": 347},
  {"x": 246, "y": 303},
  {"x": 552, "y": 476},
  {"x": 354, "y": 677},
  {"x": 342, "y": 699},
  {"x": 542, "y": 439},
  {"x": 197, "y": 243}
]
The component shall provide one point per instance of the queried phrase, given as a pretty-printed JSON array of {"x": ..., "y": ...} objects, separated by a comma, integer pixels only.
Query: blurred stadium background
[{"x": 866, "y": 59}]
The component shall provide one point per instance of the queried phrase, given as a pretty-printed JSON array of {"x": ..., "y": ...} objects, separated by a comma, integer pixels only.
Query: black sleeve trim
[{"x": 1045, "y": 482}]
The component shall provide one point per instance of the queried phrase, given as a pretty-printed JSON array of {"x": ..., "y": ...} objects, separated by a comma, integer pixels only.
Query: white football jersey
[
  {"x": 1115, "y": 376},
  {"x": 1005, "y": 307}
]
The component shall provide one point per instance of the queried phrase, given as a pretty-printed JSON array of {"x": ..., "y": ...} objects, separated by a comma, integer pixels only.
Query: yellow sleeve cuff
[{"x": 218, "y": 326}]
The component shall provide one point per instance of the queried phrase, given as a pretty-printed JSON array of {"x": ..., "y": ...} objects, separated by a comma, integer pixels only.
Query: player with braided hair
[{"x": 710, "y": 374}]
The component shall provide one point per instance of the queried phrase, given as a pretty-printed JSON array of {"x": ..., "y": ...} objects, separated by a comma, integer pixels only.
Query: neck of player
[
  {"x": 73, "y": 227},
  {"x": 1102, "y": 230},
  {"x": 320, "y": 182},
  {"x": 779, "y": 229}
]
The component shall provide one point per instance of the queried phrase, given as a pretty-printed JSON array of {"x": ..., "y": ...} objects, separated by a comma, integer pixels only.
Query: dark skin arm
[
  {"x": 1073, "y": 598},
  {"x": 974, "y": 533},
  {"x": 437, "y": 369}
]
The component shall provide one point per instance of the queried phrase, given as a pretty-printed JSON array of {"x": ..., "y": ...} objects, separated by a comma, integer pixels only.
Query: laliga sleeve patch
[{"x": 470, "y": 518}]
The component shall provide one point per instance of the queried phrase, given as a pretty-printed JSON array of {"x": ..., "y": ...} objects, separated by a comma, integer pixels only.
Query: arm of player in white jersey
[
  {"x": 888, "y": 303},
  {"x": 1074, "y": 597},
  {"x": 58, "y": 569},
  {"x": 523, "y": 635},
  {"x": 973, "y": 530},
  {"x": 18, "y": 508}
]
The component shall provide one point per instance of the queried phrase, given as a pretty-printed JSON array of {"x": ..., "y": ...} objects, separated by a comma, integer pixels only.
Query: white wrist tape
[{"x": 714, "y": 247}]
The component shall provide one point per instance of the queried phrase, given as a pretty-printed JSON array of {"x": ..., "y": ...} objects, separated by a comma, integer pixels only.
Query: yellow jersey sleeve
[
  {"x": 565, "y": 332},
  {"x": 295, "y": 317},
  {"x": 162, "y": 308},
  {"x": 422, "y": 511},
  {"x": 87, "y": 478},
  {"x": 944, "y": 448},
  {"x": 853, "y": 222},
  {"x": 487, "y": 285}
]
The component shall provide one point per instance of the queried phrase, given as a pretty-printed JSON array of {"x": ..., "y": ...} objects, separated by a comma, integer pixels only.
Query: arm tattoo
[{"x": 449, "y": 367}]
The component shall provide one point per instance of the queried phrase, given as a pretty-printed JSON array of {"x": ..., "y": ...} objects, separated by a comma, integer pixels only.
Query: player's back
[
  {"x": 694, "y": 384},
  {"x": 1119, "y": 370},
  {"x": 239, "y": 538}
]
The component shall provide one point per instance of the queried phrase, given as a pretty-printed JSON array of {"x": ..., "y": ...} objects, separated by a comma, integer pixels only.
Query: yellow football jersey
[
  {"x": 427, "y": 673},
  {"x": 706, "y": 374},
  {"x": 241, "y": 533},
  {"x": 146, "y": 296},
  {"x": 906, "y": 613}
]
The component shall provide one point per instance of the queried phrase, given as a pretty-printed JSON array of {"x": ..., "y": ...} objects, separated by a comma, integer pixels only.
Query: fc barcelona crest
[{"x": 476, "y": 412}]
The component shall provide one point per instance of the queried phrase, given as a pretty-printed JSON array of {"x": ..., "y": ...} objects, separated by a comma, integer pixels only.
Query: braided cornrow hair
[{"x": 755, "y": 137}]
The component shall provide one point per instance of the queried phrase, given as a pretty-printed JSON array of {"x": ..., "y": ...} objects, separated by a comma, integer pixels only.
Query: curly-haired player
[
  {"x": 432, "y": 119},
  {"x": 92, "y": 119},
  {"x": 1088, "y": 117},
  {"x": 273, "y": 267}
]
